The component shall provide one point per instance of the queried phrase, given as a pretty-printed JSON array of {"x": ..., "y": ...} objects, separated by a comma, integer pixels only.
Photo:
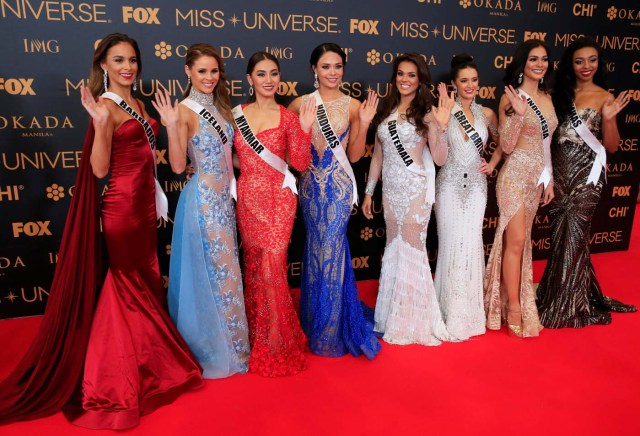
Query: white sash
[
  {"x": 547, "y": 173},
  {"x": 211, "y": 119},
  {"x": 263, "y": 152},
  {"x": 600, "y": 162},
  {"x": 162, "y": 204},
  {"x": 334, "y": 143},
  {"x": 429, "y": 171},
  {"x": 468, "y": 128}
]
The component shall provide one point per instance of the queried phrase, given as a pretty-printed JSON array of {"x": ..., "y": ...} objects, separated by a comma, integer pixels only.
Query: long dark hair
[
  {"x": 326, "y": 47},
  {"x": 421, "y": 103},
  {"x": 516, "y": 67},
  {"x": 221, "y": 98},
  {"x": 565, "y": 78},
  {"x": 96, "y": 85},
  {"x": 460, "y": 62},
  {"x": 253, "y": 61}
]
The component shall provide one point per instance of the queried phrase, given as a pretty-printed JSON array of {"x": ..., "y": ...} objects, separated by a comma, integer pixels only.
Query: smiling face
[
  {"x": 467, "y": 83},
  {"x": 537, "y": 64},
  {"x": 330, "y": 70},
  {"x": 585, "y": 63},
  {"x": 407, "y": 79},
  {"x": 204, "y": 73},
  {"x": 121, "y": 64},
  {"x": 265, "y": 78}
]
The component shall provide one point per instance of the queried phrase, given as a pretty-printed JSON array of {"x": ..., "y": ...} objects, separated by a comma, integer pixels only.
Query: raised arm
[
  {"x": 360, "y": 117},
  {"x": 174, "y": 118},
  {"x": 438, "y": 121},
  {"x": 511, "y": 125},
  {"x": 610, "y": 109},
  {"x": 103, "y": 125},
  {"x": 299, "y": 135}
]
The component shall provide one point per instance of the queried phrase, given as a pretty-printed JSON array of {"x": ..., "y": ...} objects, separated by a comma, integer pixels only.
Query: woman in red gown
[
  {"x": 266, "y": 210},
  {"x": 133, "y": 360}
]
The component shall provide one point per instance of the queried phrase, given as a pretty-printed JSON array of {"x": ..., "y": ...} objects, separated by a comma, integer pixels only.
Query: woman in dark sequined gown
[{"x": 569, "y": 294}]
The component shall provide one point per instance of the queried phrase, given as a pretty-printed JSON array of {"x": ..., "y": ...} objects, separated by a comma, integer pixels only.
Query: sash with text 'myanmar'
[
  {"x": 211, "y": 119},
  {"x": 162, "y": 204},
  {"x": 547, "y": 172},
  {"x": 334, "y": 143},
  {"x": 263, "y": 152},
  {"x": 600, "y": 162},
  {"x": 429, "y": 170},
  {"x": 468, "y": 128}
]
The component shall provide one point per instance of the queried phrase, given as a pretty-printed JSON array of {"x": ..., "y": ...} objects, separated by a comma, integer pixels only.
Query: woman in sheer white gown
[
  {"x": 407, "y": 308},
  {"x": 461, "y": 194}
]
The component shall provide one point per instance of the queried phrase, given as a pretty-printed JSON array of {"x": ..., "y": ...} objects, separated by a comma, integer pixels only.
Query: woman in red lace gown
[
  {"x": 266, "y": 210},
  {"x": 133, "y": 360}
]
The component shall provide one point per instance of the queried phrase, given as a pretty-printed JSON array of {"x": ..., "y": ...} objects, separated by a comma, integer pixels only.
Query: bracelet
[{"x": 371, "y": 187}]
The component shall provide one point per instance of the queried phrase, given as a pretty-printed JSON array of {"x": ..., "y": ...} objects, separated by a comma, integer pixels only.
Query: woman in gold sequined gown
[{"x": 508, "y": 284}]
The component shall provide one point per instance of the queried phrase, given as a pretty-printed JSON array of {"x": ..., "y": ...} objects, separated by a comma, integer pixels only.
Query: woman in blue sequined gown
[
  {"x": 205, "y": 285},
  {"x": 330, "y": 309}
]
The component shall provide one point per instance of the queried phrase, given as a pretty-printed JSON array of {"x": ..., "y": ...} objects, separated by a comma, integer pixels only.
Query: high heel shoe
[{"x": 513, "y": 328}]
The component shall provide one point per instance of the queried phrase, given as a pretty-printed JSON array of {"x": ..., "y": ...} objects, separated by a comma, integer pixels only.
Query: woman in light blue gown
[{"x": 205, "y": 285}]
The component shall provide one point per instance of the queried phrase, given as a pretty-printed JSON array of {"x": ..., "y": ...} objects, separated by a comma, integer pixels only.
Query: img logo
[
  {"x": 365, "y": 27},
  {"x": 141, "y": 15},
  {"x": 50, "y": 46},
  {"x": 18, "y": 86}
]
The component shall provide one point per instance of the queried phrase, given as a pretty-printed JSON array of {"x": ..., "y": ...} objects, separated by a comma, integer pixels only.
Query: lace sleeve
[
  {"x": 438, "y": 141},
  {"x": 375, "y": 168},
  {"x": 298, "y": 142},
  {"x": 509, "y": 132}
]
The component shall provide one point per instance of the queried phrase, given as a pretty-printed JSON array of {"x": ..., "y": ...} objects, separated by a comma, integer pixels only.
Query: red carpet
[{"x": 564, "y": 382}]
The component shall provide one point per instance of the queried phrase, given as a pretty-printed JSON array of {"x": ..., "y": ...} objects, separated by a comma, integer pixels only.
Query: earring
[
  {"x": 251, "y": 90},
  {"x": 542, "y": 81},
  {"x": 316, "y": 84},
  {"x": 520, "y": 78},
  {"x": 135, "y": 84},
  {"x": 188, "y": 80},
  {"x": 455, "y": 90},
  {"x": 105, "y": 80}
]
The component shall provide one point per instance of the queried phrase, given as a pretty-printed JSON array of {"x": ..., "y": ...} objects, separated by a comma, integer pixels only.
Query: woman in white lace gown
[
  {"x": 461, "y": 193},
  {"x": 407, "y": 309}
]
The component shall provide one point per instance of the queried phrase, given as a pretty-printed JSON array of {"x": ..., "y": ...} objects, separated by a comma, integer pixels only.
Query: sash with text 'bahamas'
[{"x": 600, "y": 162}]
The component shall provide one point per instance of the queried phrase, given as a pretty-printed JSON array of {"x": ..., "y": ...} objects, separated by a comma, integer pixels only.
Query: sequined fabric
[
  {"x": 205, "y": 294},
  {"x": 330, "y": 309},
  {"x": 516, "y": 188},
  {"x": 569, "y": 294},
  {"x": 407, "y": 309},
  {"x": 266, "y": 213},
  {"x": 461, "y": 199}
]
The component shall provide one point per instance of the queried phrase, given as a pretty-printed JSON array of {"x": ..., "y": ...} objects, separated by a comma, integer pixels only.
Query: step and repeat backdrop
[{"x": 47, "y": 48}]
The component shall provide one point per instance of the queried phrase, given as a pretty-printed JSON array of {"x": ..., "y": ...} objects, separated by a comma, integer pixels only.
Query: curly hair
[{"x": 421, "y": 103}]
